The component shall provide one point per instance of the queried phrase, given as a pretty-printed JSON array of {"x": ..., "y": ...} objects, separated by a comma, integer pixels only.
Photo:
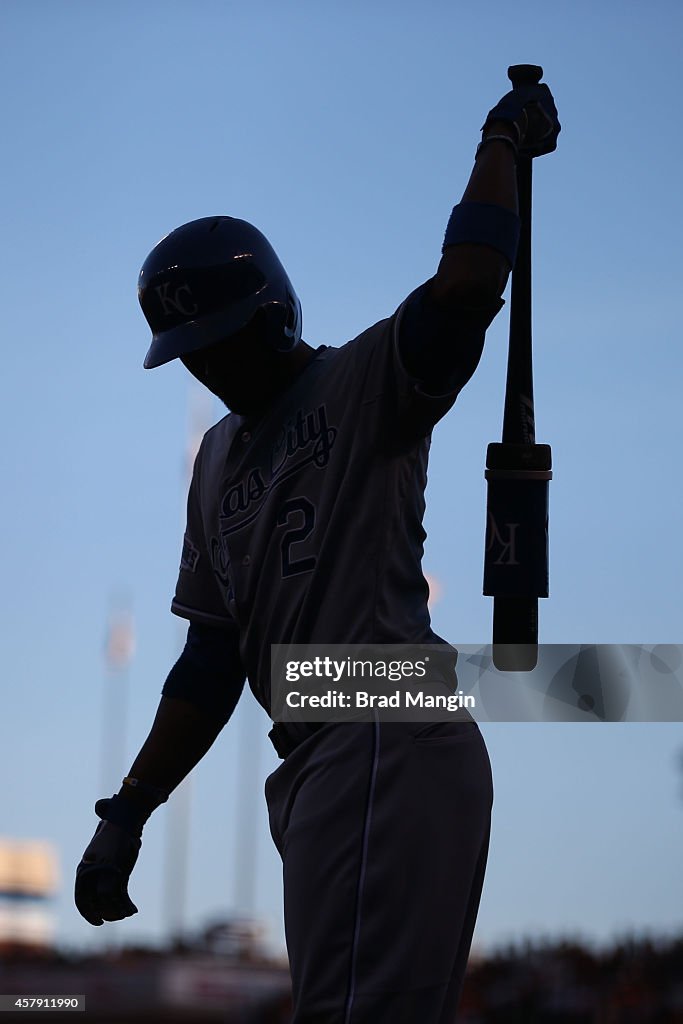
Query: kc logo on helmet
[{"x": 173, "y": 303}]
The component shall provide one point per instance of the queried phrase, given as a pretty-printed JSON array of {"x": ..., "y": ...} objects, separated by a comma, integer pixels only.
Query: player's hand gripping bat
[{"x": 518, "y": 469}]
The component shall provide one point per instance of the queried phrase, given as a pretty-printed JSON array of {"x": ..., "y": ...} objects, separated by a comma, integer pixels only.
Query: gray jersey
[{"x": 305, "y": 524}]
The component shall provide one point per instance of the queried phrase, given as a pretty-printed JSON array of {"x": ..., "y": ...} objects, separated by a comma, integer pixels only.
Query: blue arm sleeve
[
  {"x": 209, "y": 672},
  {"x": 485, "y": 224},
  {"x": 442, "y": 348}
]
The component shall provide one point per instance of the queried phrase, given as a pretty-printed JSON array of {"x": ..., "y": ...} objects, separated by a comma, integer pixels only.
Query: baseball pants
[{"x": 383, "y": 830}]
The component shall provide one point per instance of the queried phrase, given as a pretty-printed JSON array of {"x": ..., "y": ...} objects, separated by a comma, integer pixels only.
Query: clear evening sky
[{"x": 346, "y": 132}]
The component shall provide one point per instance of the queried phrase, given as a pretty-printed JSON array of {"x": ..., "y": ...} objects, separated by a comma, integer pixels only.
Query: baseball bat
[{"x": 517, "y": 469}]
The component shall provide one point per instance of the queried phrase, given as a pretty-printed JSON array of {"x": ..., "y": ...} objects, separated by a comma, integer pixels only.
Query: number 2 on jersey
[{"x": 293, "y": 510}]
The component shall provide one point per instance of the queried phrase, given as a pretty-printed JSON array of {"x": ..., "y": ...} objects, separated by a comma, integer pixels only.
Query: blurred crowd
[{"x": 634, "y": 981}]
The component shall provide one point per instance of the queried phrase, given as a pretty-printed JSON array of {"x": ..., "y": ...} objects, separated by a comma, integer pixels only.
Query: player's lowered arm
[
  {"x": 198, "y": 698},
  {"x": 180, "y": 736}
]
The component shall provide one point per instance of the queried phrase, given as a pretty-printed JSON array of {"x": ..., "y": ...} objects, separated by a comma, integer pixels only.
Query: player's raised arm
[
  {"x": 443, "y": 328},
  {"x": 198, "y": 698}
]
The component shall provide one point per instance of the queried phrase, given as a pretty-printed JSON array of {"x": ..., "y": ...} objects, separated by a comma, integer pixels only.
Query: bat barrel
[{"x": 515, "y": 618}]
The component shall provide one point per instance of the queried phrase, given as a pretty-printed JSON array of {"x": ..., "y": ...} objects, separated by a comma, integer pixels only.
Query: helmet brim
[{"x": 197, "y": 334}]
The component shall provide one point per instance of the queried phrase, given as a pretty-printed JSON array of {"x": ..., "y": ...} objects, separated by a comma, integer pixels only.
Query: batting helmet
[{"x": 204, "y": 281}]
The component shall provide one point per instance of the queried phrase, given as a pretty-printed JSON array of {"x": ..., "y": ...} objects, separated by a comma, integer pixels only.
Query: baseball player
[{"x": 304, "y": 525}]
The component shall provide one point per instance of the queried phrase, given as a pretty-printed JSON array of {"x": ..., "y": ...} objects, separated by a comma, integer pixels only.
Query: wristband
[
  {"x": 124, "y": 813},
  {"x": 144, "y": 790},
  {"x": 484, "y": 224},
  {"x": 501, "y": 138}
]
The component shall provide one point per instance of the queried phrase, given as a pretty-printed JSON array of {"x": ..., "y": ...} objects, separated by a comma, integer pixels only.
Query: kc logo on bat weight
[{"x": 495, "y": 540}]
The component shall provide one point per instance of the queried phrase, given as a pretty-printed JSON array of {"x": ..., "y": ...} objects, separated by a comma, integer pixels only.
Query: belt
[{"x": 286, "y": 737}]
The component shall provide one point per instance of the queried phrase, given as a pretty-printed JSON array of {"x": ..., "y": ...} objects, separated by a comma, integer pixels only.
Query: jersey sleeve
[
  {"x": 198, "y": 595},
  {"x": 433, "y": 354},
  {"x": 441, "y": 348}
]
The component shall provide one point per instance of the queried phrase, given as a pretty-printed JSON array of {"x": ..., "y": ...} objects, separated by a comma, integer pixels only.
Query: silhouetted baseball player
[{"x": 304, "y": 525}]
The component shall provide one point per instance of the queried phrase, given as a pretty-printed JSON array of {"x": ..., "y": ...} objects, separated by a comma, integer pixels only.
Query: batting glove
[
  {"x": 531, "y": 109},
  {"x": 101, "y": 890}
]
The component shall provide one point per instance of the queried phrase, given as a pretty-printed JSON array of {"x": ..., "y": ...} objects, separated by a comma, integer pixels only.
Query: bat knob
[{"x": 525, "y": 74}]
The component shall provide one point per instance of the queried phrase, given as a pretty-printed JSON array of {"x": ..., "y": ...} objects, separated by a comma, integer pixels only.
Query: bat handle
[{"x": 525, "y": 74}]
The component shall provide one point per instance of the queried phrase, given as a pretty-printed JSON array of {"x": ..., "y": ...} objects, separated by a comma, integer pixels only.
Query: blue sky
[{"x": 346, "y": 132}]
